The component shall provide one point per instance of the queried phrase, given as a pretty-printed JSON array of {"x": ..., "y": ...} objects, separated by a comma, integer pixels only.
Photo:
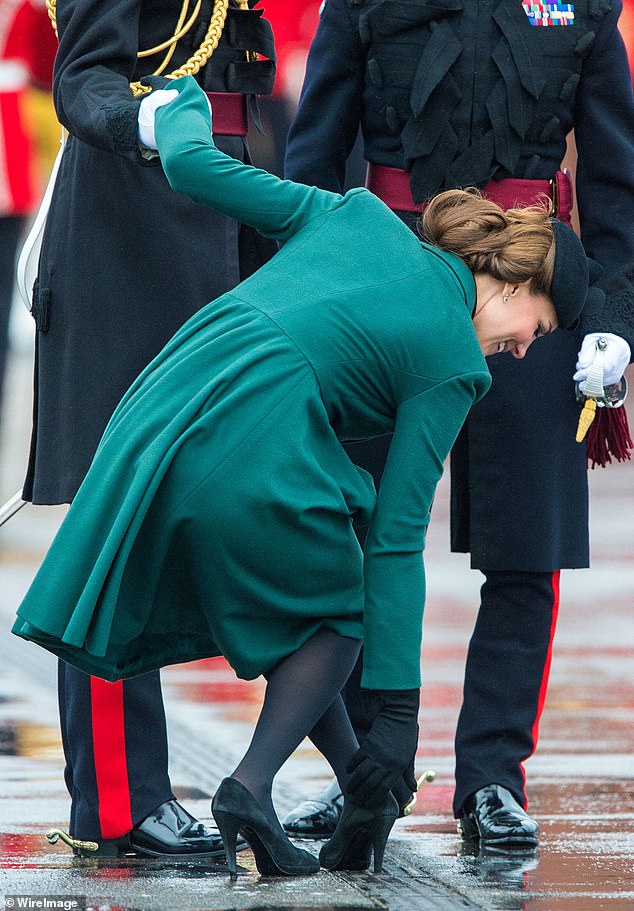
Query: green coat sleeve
[
  {"x": 195, "y": 168},
  {"x": 426, "y": 429}
]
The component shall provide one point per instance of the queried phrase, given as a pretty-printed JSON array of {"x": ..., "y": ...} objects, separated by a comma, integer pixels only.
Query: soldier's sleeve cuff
[
  {"x": 617, "y": 316},
  {"x": 122, "y": 124}
]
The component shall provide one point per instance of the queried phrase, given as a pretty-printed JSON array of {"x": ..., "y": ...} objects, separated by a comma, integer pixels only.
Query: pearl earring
[{"x": 506, "y": 298}]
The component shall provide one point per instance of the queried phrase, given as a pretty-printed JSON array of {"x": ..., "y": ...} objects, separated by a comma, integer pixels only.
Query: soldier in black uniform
[
  {"x": 124, "y": 262},
  {"x": 483, "y": 93}
]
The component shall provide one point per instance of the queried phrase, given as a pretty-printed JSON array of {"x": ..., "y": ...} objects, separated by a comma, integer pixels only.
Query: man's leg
[
  {"x": 506, "y": 679},
  {"x": 115, "y": 744}
]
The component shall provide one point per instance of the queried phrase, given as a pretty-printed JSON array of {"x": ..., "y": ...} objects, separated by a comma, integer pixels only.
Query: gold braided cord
[
  {"x": 171, "y": 42},
  {"x": 50, "y": 9},
  {"x": 179, "y": 32},
  {"x": 206, "y": 49},
  {"x": 196, "y": 61}
]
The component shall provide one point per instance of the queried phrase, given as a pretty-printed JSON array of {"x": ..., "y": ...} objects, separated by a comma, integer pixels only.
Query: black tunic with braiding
[
  {"x": 125, "y": 260},
  {"x": 459, "y": 93}
]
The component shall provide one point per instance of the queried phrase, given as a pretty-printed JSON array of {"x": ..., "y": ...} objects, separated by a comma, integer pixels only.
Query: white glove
[
  {"x": 147, "y": 109},
  {"x": 616, "y": 357}
]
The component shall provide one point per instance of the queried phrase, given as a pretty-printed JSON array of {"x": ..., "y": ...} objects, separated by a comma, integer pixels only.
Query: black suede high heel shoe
[
  {"x": 235, "y": 810},
  {"x": 359, "y": 832}
]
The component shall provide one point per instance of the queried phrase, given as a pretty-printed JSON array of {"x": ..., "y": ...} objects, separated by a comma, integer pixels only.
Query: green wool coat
[{"x": 217, "y": 515}]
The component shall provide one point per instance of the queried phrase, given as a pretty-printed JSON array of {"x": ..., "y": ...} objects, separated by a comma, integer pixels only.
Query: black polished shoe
[
  {"x": 170, "y": 831},
  {"x": 319, "y": 817},
  {"x": 493, "y": 816},
  {"x": 316, "y": 818}
]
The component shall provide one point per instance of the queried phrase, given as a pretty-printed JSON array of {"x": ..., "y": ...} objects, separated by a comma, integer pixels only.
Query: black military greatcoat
[
  {"x": 125, "y": 260},
  {"x": 460, "y": 92}
]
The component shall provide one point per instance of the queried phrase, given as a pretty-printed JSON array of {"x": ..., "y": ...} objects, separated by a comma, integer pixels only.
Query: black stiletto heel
[
  {"x": 235, "y": 810},
  {"x": 380, "y": 833},
  {"x": 228, "y": 826},
  {"x": 360, "y": 831}
]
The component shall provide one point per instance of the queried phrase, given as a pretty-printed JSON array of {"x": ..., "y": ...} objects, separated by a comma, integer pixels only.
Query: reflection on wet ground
[
  {"x": 584, "y": 862},
  {"x": 580, "y": 783}
]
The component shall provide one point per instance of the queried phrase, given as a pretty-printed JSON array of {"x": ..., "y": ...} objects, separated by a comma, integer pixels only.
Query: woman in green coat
[{"x": 217, "y": 515}]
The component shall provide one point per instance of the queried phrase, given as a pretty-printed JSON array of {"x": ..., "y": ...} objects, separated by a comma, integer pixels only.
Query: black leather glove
[{"x": 387, "y": 751}]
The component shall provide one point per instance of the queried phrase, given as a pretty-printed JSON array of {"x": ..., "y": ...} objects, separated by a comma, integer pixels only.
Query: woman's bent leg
[{"x": 302, "y": 698}]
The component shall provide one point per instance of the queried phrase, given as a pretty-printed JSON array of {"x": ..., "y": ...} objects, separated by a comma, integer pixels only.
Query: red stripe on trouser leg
[
  {"x": 109, "y": 748},
  {"x": 543, "y": 689}
]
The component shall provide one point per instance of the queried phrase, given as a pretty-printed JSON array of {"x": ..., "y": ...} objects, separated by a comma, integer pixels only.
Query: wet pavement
[{"x": 581, "y": 781}]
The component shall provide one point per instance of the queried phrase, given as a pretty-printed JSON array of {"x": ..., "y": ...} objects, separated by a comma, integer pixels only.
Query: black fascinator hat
[{"x": 574, "y": 275}]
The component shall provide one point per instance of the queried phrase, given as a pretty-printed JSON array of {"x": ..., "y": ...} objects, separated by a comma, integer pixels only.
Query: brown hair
[{"x": 514, "y": 245}]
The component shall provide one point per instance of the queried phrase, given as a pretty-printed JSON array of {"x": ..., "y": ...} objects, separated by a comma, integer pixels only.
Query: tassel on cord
[
  {"x": 609, "y": 437},
  {"x": 603, "y": 419}
]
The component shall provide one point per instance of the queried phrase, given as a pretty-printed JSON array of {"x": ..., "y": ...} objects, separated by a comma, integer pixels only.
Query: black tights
[{"x": 302, "y": 699}]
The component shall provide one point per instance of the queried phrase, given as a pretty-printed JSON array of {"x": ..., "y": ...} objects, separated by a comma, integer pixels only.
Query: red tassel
[{"x": 608, "y": 436}]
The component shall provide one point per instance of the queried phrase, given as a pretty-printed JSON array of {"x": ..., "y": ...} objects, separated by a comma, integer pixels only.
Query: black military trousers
[
  {"x": 115, "y": 745},
  {"x": 506, "y": 679}
]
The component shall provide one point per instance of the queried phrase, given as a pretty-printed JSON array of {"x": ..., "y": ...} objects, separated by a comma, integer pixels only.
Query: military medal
[{"x": 549, "y": 14}]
